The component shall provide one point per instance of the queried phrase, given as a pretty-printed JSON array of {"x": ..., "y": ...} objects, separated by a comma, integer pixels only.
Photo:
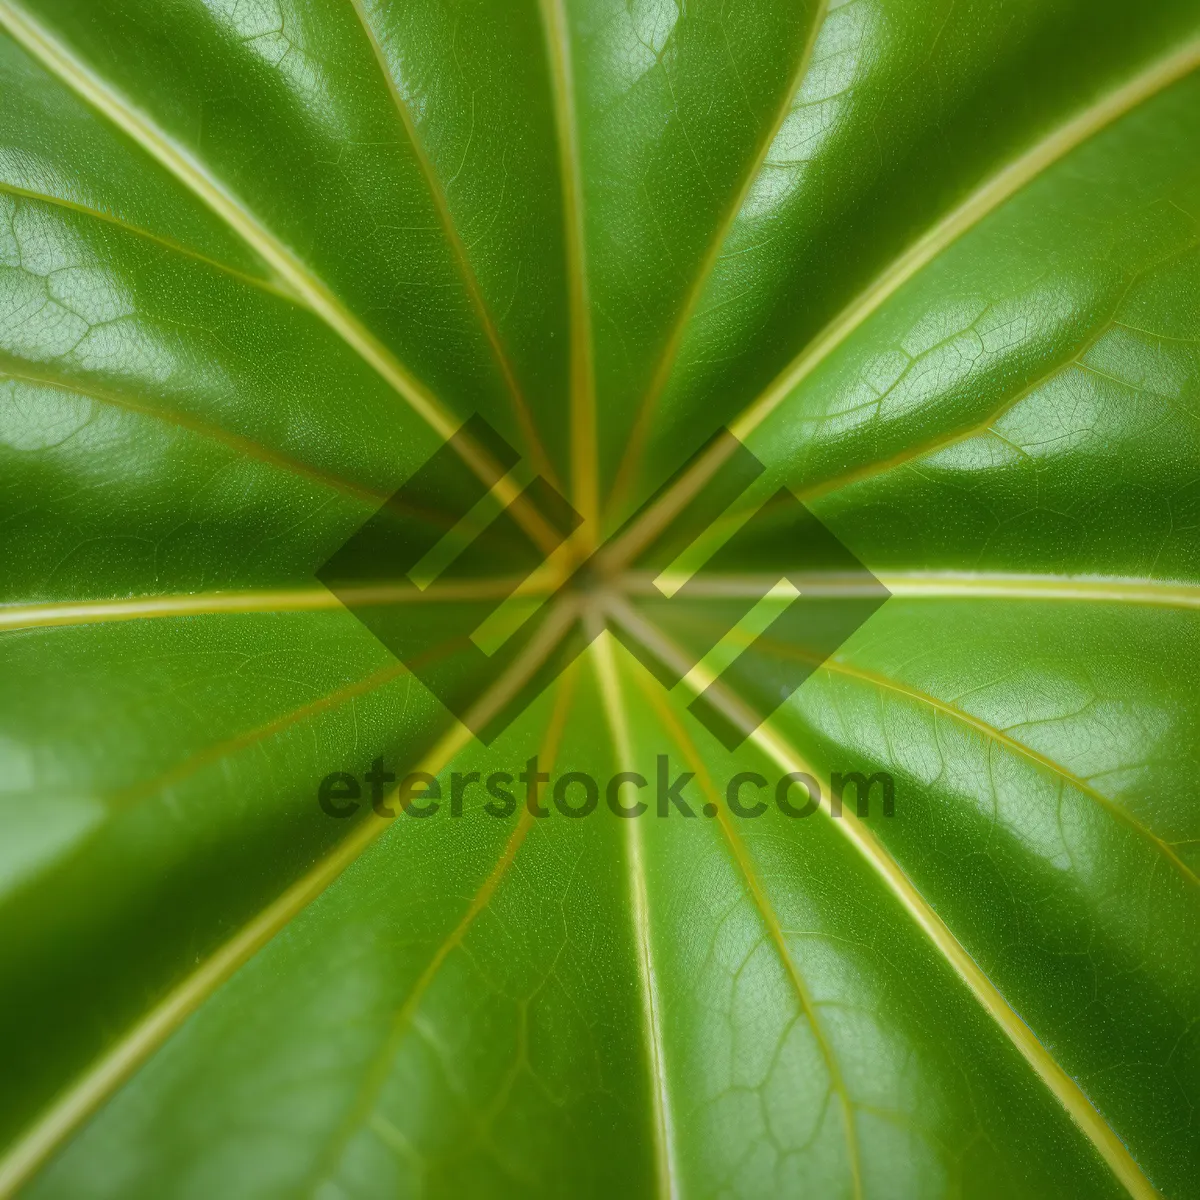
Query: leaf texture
[{"x": 935, "y": 262}]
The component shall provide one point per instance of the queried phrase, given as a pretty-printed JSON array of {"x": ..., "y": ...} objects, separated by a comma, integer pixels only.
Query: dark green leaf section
[
  {"x": 1039, "y": 381},
  {"x": 528, "y": 1085},
  {"x": 160, "y": 789},
  {"x": 677, "y": 104},
  {"x": 907, "y": 110},
  {"x": 58, "y": 148},
  {"x": 293, "y": 118},
  {"x": 1045, "y": 758},
  {"x": 168, "y": 427}
]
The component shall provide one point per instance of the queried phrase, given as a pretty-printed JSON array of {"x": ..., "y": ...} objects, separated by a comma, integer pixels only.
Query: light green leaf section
[{"x": 936, "y": 261}]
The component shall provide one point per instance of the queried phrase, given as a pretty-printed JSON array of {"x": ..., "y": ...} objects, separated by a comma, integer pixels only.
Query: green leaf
[{"x": 935, "y": 262}]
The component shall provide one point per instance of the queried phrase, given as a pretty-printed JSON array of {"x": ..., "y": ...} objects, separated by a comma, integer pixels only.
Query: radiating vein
[
  {"x": 585, "y": 448},
  {"x": 100, "y": 94},
  {"x": 942, "y": 585},
  {"x": 376, "y": 1074},
  {"x": 1003, "y": 586},
  {"x": 993, "y": 192},
  {"x": 766, "y": 910},
  {"x": 242, "y": 445},
  {"x": 315, "y": 598},
  {"x": 441, "y": 205},
  {"x": 664, "y": 1140},
  {"x": 929, "y": 585},
  {"x": 1064, "y": 1088},
  {"x": 32, "y": 1149},
  {"x": 54, "y": 614},
  {"x": 1005, "y": 740},
  {"x": 662, "y": 373},
  {"x": 267, "y": 285}
]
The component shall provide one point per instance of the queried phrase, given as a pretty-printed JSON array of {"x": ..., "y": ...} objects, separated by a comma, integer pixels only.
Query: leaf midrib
[
  {"x": 608, "y": 680},
  {"x": 584, "y": 440}
]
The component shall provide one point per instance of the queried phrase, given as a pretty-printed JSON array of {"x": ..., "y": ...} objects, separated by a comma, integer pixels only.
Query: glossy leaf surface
[{"x": 935, "y": 262}]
